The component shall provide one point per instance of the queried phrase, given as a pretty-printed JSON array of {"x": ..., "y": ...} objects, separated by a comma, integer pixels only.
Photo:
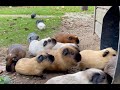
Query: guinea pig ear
[
  {"x": 77, "y": 48},
  {"x": 40, "y": 58},
  {"x": 37, "y": 37},
  {"x": 109, "y": 78},
  {"x": 65, "y": 52},
  {"x": 30, "y": 38},
  {"x": 105, "y": 53},
  {"x": 45, "y": 43},
  {"x": 69, "y": 38}
]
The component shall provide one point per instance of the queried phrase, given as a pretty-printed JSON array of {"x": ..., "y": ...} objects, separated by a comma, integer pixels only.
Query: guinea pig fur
[
  {"x": 111, "y": 66},
  {"x": 67, "y": 38},
  {"x": 60, "y": 45},
  {"x": 44, "y": 44},
  {"x": 34, "y": 66},
  {"x": 89, "y": 76},
  {"x": 96, "y": 59},
  {"x": 32, "y": 36},
  {"x": 65, "y": 58},
  {"x": 14, "y": 53}
]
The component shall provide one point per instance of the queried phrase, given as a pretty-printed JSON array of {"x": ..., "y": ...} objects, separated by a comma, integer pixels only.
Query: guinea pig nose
[
  {"x": 77, "y": 41},
  {"x": 78, "y": 57}
]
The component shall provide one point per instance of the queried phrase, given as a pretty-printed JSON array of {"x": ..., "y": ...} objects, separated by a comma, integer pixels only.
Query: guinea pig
[
  {"x": 89, "y": 76},
  {"x": 40, "y": 24},
  {"x": 32, "y": 36},
  {"x": 34, "y": 66},
  {"x": 33, "y": 15},
  {"x": 110, "y": 67},
  {"x": 67, "y": 38},
  {"x": 60, "y": 45},
  {"x": 14, "y": 53},
  {"x": 96, "y": 59},
  {"x": 44, "y": 44},
  {"x": 65, "y": 58}
]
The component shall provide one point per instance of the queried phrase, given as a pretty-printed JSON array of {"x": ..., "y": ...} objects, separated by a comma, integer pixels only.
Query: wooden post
[{"x": 84, "y": 8}]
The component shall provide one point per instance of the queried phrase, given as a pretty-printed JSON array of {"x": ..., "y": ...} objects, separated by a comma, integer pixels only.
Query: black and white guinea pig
[{"x": 44, "y": 44}]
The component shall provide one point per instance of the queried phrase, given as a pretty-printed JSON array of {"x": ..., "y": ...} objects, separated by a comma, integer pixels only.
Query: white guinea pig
[{"x": 89, "y": 76}]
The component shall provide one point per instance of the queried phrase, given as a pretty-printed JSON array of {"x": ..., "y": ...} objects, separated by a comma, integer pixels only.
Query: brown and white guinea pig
[
  {"x": 110, "y": 67},
  {"x": 14, "y": 53},
  {"x": 67, "y": 38},
  {"x": 44, "y": 44},
  {"x": 65, "y": 58},
  {"x": 34, "y": 66},
  {"x": 89, "y": 76},
  {"x": 96, "y": 59}
]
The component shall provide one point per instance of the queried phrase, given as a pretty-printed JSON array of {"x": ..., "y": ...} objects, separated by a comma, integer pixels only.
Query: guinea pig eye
[
  {"x": 49, "y": 40},
  {"x": 70, "y": 38},
  {"x": 65, "y": 52},
  {"x": 72, "y": 53},
  {"x": 14, "y": 59},
  {"x": 45, "y": 43},
  {"x": 114, "y": 55}
]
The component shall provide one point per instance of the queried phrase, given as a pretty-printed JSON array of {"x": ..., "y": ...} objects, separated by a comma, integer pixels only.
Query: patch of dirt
[{"x": 75, "y": 23}]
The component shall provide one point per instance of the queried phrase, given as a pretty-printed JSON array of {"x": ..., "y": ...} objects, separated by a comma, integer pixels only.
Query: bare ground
[{"x": 75, "y": 23}]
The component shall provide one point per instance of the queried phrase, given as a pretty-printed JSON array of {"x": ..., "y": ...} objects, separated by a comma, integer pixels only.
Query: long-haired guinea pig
[
  {"x": 96, "y": 59},
  {"x": 44, "y": 44},
  {"x": 34, "y": 66},
  {"x": 66, "y": 38},
  {"x": 65, "y": 58},
  {"x": 89, "y": 76},
  {"x": 60, "y": 45},
  {"x": 14, "y": 53}
]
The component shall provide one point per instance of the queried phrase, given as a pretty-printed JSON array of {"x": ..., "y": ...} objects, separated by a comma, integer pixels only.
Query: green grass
[
  {"x": 16, "y": 30},
  {"x": 13, "y": 31},
  {"x": 43, "y": 10}
]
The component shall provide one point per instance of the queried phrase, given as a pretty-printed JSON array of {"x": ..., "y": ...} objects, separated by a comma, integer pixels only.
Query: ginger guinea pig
[
  {"x": 14, "y": 53},
  {"x": 34, "y": 66},
  {"x": 65, "y": 58},
  {"x": 96, "y": 59},
  {"x": 67, "y": 38}
]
